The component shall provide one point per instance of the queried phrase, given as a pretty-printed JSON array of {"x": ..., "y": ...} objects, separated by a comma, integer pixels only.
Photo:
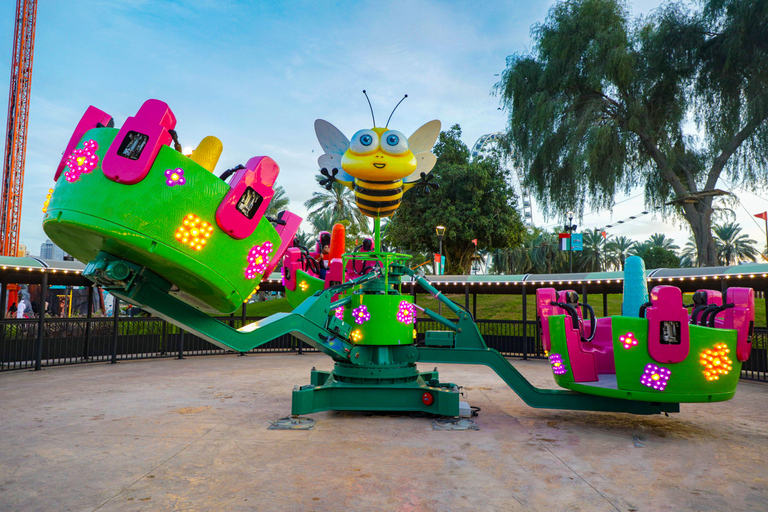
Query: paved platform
[{"x": 192, "y": 435}]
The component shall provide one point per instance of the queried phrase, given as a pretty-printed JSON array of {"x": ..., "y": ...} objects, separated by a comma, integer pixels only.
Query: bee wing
[
  {"x": 425, "y": 161},
  {"x": 331, "y": 138},
  {"x": 333, "y": 161},
  {"x": 422, "y": 139}
]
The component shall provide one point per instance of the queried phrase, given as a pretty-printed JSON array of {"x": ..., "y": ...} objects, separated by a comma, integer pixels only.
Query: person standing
[{"x": 20, "y": 309}]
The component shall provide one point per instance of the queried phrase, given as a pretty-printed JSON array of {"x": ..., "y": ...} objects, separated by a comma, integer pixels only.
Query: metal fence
[
  {"x": 81, "y": 340},
  {"x": 109, "y": 339}
]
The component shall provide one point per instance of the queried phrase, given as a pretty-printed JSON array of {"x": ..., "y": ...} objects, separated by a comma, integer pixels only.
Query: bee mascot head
[{"x": 379, "y": 164}]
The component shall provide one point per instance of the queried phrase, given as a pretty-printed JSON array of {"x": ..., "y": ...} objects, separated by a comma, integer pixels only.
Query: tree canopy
[
  {"x": 475, "y": 201},
  {"x": 601, "y": 103}
]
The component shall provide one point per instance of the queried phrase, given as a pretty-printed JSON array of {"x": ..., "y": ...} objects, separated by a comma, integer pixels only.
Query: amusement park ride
[{"x": 159, "y": 230}]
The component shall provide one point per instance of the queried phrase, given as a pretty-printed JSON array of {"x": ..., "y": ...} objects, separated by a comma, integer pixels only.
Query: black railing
[{"x": 80, "y": 340}]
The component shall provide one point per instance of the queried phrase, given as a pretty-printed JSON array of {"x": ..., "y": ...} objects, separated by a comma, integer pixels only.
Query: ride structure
[
  {"x": 159, "y": 230},
  {"x": 657, "y": 349}
]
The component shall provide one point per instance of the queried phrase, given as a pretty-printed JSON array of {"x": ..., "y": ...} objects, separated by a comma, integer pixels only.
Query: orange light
[
  {"x": 194, "y": 232},
  {"x": 716, "y": 361}
]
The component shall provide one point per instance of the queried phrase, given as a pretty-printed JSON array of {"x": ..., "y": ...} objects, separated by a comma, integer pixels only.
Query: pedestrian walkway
[{"x": 192, "y": 435}]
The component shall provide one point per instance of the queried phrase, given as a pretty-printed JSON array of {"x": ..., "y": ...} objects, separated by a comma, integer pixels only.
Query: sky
[{"x": 257, "y": 75}]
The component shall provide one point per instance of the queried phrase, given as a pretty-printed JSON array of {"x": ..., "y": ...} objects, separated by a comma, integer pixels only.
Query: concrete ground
[{"x": 192, "y": 435}]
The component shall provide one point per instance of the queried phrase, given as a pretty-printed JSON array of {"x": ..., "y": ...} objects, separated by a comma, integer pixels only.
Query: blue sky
[{"x": 257, "y": 74}]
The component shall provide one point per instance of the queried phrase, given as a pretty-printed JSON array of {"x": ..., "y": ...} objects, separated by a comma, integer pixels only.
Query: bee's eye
[
  {"x": 364, "y": 142},
  {"x": 395, "y": 143}
]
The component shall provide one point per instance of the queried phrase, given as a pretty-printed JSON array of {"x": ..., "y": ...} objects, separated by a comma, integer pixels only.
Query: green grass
[{"x": 496, "y": 307}]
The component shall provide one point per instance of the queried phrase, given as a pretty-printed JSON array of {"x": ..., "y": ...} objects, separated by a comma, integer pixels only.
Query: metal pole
[
  {"x": 3, "y": 310},
  {"x": 115, "y": 327},
  {"x": 466, "y": 295},
  {"x": 441, "y": 254},
  {"x": 181, "y": 344},
  {"x": 88, "y": 317},
  {"x": 525, "y": 325},
  {"x": 41, "y": 325}
]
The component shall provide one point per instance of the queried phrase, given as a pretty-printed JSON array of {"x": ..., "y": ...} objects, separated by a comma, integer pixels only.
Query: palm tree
[
  {"x": 592, "y": 257},
  {"x": 733, "y": 247},
  {"x": 304, "y": 239},
  {"x": 617, "y": 249},
  {"x": 339, "y": 201},
  {"x": 279, "y": 202},
  {"x": 545, "y": 256},
  {"x": 689, "y": 257},
  {"x": 661, "y": 240}
]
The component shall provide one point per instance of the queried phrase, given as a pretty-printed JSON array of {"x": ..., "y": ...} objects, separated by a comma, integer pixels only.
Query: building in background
[
  {"x": 51, "y": 251},
  {"x": 22, "y": 251}
]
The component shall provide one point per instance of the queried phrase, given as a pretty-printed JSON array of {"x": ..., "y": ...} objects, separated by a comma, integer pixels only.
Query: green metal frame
[{"x": 373, "y": 378}]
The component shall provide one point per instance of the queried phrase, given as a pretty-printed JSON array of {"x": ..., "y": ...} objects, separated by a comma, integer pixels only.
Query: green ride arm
[
  {"x": 536, "y": 397},
  {"x": 312, "y": 322}
]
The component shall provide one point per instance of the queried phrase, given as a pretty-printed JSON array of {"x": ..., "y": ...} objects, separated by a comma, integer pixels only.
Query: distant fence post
[
  {"x": 41, "y": 323},
  {"x": 115, "y": 328},
  {"x": 525, "y": 324},
  {"x": 181, "y": 344},
  {"x": 3, "y": 311},
  {"x": 88, "y": 316}
]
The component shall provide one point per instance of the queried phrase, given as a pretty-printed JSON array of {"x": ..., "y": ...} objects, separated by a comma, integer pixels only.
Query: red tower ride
[{"x": 16, "y": 133}]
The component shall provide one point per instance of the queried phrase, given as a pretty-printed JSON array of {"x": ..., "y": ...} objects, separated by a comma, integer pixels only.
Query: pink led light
[
  {"x": 258, "y": 259},
  {"x": 361, "y": 314},
  {"x": 175, "y": 177},
  {"x": 339, "y": 312},
  {"x": 558, "y": 365},
  {"x": 406, "y": 313},
  {"x": 628, "y": 340},
  {"x": 82, "y": 161},
  {"x": 655, "y": 377}
]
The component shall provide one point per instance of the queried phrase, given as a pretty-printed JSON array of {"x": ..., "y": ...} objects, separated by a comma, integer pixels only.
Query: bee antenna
[
  {"x": 393, "y": 110},
  {"x": 370, "y": 106}
]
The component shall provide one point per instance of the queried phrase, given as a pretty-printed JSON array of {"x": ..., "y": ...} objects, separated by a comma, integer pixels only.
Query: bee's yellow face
[{"x": 379, "y": 155}]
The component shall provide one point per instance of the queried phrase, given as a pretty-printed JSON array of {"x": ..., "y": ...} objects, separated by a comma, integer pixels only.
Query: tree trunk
[{"x": 701, "y": 224}]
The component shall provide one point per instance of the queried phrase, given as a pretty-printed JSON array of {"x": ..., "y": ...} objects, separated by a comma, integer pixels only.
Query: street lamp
[
  {"x": 570, "y": 228},
  {"x": 440, "y": 230}
]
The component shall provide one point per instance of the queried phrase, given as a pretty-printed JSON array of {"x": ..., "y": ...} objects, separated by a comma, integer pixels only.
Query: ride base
[{"x": 381, "y": 379}]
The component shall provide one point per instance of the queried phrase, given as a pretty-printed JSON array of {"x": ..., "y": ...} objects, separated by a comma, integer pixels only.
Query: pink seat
[
  {"x": 246, "y": 202},
  {"x": 742, "y": 318},
  {"x": 286, "y": 231},
  {"x": 545, "y": 309},
  {"x": 291, "y": 263},
  {"x": 601, "y": 346},
  {"x": 131, "y": 155},
  {"x": 335, "y": 273},
  {"x": 93, "y": 118},
  {"x": 668, "y": 328},
  {"x": 702, "y": 300},
  {"x": 582, "y": 361}
]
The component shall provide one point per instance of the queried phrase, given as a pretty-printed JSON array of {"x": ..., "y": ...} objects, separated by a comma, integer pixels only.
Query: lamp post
[
  {"x": 570, "y": 228},
  {"x": 440, "y": 230}
]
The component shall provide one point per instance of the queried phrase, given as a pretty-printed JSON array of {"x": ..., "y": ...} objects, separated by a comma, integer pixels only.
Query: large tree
[
  {"x": 474, "y": 201},
  {"x": 601, "y": 103}
]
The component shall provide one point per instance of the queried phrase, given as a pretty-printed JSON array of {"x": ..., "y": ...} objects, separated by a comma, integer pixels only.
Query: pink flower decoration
[
  {"x": 339, "y": 312},
  {"x": 258, "y": 260},
  {"x": 175, "y": 177},
  {"x": 82, "y": 160},
  {"x": 361, "y": 314},
  {"x": 406, "y": 313}
]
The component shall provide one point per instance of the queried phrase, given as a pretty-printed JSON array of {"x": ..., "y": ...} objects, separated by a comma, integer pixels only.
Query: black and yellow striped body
[{"x": 378, "y": 198}]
